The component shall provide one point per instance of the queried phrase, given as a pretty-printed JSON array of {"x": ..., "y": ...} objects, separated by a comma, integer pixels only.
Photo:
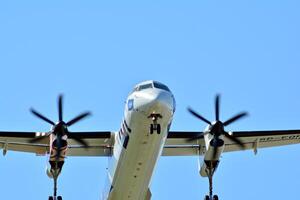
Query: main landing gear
[
  {"x": 55, "y": 198},
  {"x": 155, "y": 126},
  {"x": 55, "y": 170},
  {"x": 211, "y": 167},
  {"x": 215, "y": 197}
]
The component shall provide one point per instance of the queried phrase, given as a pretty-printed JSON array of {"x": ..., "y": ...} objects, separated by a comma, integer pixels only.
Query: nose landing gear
[{"x": 155, "y": 126}]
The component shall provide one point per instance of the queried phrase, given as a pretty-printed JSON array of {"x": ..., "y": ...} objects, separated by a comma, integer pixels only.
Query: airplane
[{"x": 144, "y": 136}]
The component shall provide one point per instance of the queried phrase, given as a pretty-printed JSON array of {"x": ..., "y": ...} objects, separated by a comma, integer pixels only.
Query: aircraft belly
[{"x": 134, "y": 171}]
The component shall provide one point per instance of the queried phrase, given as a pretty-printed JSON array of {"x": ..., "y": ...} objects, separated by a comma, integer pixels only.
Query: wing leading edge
[{"x": 178, "y": 143}]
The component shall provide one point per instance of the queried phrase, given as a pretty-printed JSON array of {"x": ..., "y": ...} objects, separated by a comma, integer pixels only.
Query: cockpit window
[
  {"x": 161, "y": 86},
  {"x": 146, "y": 86}
]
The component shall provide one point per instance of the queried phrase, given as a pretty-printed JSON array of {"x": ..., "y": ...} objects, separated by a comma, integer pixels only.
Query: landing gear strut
[
  {"x": 211, "y": 167},
  {"x": 155, "y": 126},
  {"x": 56, "y": 167}
]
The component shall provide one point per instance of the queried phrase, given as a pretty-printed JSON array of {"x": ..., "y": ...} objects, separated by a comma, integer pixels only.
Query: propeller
[
  {"x": 217, "y": 128},
  {"x": 60, "y": 128}
]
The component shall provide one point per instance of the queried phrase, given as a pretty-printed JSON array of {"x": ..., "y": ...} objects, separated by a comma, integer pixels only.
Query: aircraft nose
[{"x": 158, "y": 102}]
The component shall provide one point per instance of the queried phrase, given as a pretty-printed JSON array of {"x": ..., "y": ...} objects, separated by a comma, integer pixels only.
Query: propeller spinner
[
  {"x": 217, "y": 128},
  {"x": 61, "y": 127}
]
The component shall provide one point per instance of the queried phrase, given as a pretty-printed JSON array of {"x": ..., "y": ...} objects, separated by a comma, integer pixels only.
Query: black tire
[
  {"x": 158, "y": 129},
  {"x": 59, "y": 198},
  {"x": 151, "y": 128},
  {"x": 50, "y": 198},
  {"x": 215, "y": 197},
  {"x": 206, "y": 197}
]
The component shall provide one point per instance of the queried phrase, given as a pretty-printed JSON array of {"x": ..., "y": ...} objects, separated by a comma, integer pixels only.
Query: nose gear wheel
[{"x": 155, "y": 126}]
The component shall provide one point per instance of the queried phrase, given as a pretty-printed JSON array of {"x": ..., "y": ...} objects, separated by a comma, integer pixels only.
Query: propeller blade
[
  {"x": 60, "y": 109},
  {"x": 217, "y": 107},
  {"x": 198, "y": 116},
  {"x": 195, "y": 138},
  {"x": 81, "y": 141},
  {"x": 236, "y": 117},
  {"x": 232, "y": 138},
  {"x": 78, "y": 118},
  {"x": 41, "y": 117}
]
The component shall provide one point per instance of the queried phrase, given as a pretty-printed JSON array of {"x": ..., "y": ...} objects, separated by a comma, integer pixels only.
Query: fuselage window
[{"x": 161, "y": 86}]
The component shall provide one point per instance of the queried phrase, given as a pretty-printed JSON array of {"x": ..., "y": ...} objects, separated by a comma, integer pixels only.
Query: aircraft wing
[
  {"x": 100, "y": 143},
  {"x": 178, "y": 143},
  {"x": 262, "y": 139}
]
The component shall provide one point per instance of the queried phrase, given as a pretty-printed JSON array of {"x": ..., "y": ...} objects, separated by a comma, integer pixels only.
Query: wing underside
[
  {"x": 99, "y": 143},
  {"x": 180, "y": 143},
  {"x": 177, "y": 144}
]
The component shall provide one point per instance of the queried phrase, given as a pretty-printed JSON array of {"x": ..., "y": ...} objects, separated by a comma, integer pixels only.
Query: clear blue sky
[{"x": 95, "y": 51}]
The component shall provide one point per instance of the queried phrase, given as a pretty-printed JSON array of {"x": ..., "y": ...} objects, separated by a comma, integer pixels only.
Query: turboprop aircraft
[{"x": 144, "y": 136}]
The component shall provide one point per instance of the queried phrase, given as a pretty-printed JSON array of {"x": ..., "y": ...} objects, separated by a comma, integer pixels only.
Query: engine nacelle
[
  {"x": 214, "y": 145},
  {"x": 48, "y": 172},
  {"x": 208, "y": 165},
  {"x": 209, "y": 154},
  {"x": 212, "y": 157}
]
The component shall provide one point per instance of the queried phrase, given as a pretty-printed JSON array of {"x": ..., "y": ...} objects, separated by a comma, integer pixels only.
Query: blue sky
[{"x": 95, "y": 52}]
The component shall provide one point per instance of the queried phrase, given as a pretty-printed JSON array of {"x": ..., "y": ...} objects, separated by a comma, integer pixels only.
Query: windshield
[
  {"x": 145, "y": 86},
  {"x": 161, "y": 86}
]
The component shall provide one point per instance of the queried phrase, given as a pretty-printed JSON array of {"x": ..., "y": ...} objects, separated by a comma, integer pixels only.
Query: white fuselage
[{"x": 136, "y": 150}]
